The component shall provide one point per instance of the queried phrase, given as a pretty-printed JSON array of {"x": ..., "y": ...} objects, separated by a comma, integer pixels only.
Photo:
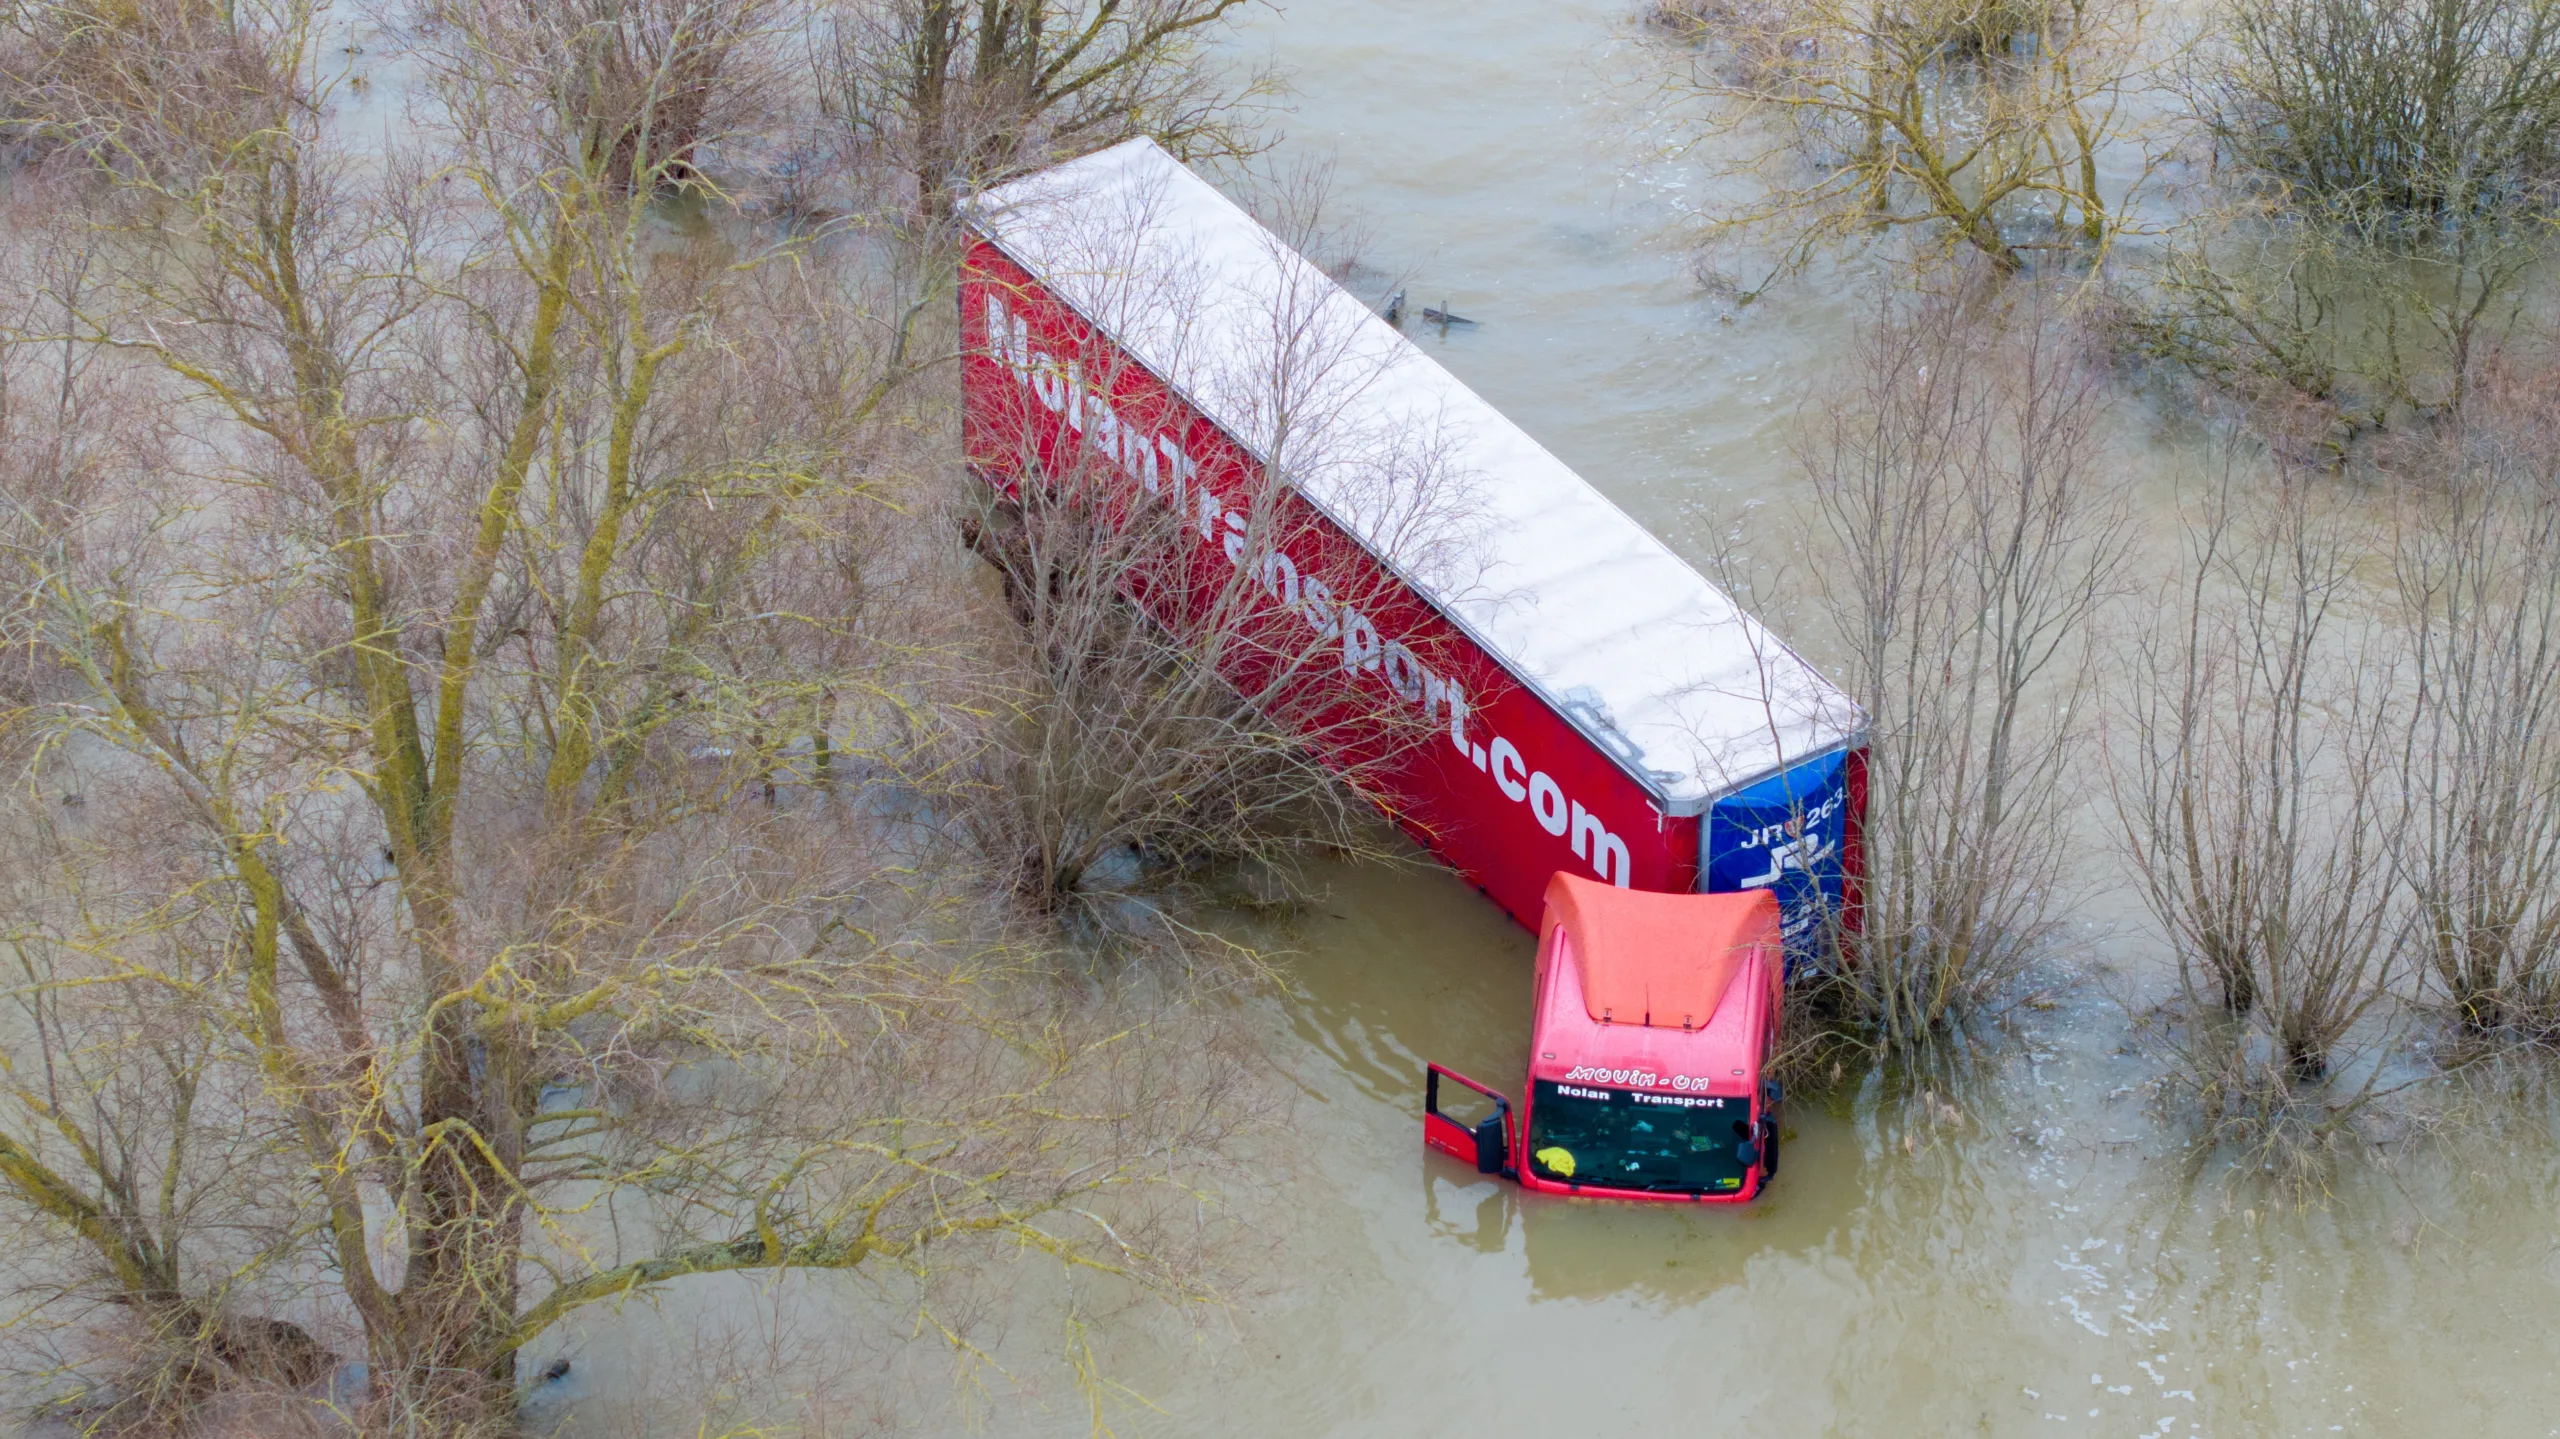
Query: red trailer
[
  {"x": 1613, "y": 722},
  {"x": 1607, "y": 711}
]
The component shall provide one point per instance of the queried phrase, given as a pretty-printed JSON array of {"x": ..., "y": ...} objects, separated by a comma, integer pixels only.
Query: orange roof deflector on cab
[{"x": 1662, "y": 960}]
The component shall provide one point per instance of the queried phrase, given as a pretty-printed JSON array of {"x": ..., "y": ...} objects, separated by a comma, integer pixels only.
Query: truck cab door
[{"x": 1485, "y": 1143}]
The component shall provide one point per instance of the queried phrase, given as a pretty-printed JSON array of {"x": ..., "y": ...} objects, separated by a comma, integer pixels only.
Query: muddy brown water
[
  {"x": 2049, "y": 1263},
  {"x": 2045, "y": 1261},
  {"x": 2048, "y": 1260}
]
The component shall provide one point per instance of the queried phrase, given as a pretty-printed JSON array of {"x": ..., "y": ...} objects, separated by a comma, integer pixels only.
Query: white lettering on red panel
[
  {"x": 1159, "y": 464},
  {"x": 1635, "y": 1078}
]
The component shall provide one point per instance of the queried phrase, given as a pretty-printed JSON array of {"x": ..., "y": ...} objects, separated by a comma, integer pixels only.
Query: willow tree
[
  {"x": 2437, "y": 112},
  {"x": 2476, "y": 557},
  {"x": 1988, "y": 124},
  {"x": 456, "y": 913},
  {"x": 1971, "y": 541},
  {"x": 960, "y": 94},
  {"x": 2393, "y": 169}
]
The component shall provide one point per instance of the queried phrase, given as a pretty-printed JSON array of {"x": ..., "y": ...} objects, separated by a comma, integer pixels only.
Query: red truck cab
[{"x": 1656, "y": 1017}]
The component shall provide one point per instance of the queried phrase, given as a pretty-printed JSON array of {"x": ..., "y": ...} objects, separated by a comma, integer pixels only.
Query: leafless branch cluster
[
  {"x": 1983, "y": 126},
  {"x": 2386, "y": 172},
  {"x": 452, "y": 591},
  {"x": 1969, "y": 534},
  {"x": 2256, "y": 793},
  {"x": 2257, "y": 800},
  {"x": 2437, "y": 112},
  {"x": 1129, "y": 745},
  {"x": 1203, "y": 688},
  {"x": 2326, "y": 335},
  {"x": 957, "y": 96},
  {"x": 2476, "y": 564},
  {"x": 2335, "y": 779}
]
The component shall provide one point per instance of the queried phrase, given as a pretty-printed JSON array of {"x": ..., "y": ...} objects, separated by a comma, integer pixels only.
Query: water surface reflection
[{"x": 2035, "y": 1253}]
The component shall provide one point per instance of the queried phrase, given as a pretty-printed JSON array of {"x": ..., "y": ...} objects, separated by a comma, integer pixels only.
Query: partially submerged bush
[
  {"x": 1115, "y": 741},
  {"x": 958, "y": 97},
  {"x": 2323, "y": 335},
  {"x": 2255, "y": 786},
  {"x": 1968, "y": 534},
  {"x": 2476, "y": 560},
  {"x": 1205, "y": 673},
  {"x": 1988, "y": 124},
  {"x": 2397, "y": 164},
  {"x": 2223, "y": 1077},
  {"x": 2435, "y": 112}
]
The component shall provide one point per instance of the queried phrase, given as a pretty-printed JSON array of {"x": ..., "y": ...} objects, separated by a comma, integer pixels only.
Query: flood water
[
  {"x": 2034, "y": 1252},
  {"x": 2042, "y": 1257}
]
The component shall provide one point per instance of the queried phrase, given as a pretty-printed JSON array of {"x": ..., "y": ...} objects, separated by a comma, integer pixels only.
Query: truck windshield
[{"x": 1631, "y": 1139}]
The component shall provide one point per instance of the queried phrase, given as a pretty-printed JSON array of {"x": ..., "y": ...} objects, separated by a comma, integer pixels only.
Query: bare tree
[
  {"x": 2441, "y": 112},
  {"x": 1976, "y": 125},
  {"x": 960, "y": 95},
  {"x": 472, "y": 930},
  {"x": 1968, "y": 538},
  {"x": 2477, "y": 559},
  {"x": 1116, "y": 740},
  {"x": 2261, "y": 313},
  {"x": 2256, "y": 785},
  {"x": 648, "y": 81},
  {"x": 1202, "y": 677},
  {"x": 2330, "y": 332},
  {"x": 2388, "y": 169}
]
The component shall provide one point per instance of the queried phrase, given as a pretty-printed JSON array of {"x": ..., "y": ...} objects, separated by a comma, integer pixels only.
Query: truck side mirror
[
  {"x": 1747, "y": 1152},
  {"x": 1492, "y": 1144}
]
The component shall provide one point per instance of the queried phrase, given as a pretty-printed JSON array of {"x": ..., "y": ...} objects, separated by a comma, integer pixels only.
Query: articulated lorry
[{"x": 1596, "y": 708}]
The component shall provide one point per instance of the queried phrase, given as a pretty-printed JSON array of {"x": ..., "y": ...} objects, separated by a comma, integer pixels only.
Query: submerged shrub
[
  {"x": 2255, "y": 783},
  {"x": 1970, "y": 534},
  {"x": 2432, "y": 110},
  {"x": 2476, "y": 561}
]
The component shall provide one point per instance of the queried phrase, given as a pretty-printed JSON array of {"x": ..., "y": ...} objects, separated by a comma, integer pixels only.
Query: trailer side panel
[{"x": 1508, "y": 791}]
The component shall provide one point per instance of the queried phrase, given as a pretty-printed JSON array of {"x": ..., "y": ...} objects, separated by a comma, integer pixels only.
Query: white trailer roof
[{"x": 1655, "y": 665}]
